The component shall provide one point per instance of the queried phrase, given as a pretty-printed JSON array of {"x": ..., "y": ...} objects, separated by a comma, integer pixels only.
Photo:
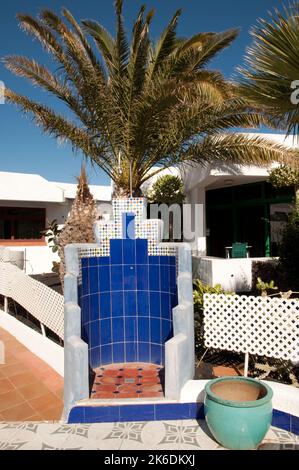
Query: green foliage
[
  {"x": 289, "y": 253},
  {"x": 263, "y": 287},
  {"x": 284, "y": 176},
  {"x": 134, "y": 106},
  {"x": 272, "y": 64},
  {"x": 277, "y": 369},
  {"x": 168, "y": 189},
  {"x": 198, "y": 297},
  {"x": 52, "y": 233}
]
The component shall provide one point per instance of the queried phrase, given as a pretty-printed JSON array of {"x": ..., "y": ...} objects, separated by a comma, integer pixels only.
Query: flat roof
[{"x": 35, "y": 188}]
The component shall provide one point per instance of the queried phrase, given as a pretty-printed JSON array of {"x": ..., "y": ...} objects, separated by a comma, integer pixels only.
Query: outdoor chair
[{"x": 239, "y": 250}]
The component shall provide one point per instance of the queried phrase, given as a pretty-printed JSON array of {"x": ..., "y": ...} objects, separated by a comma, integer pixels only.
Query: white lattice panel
[
  {"x": 257, "y": 325},
  {"x": 39, "y": 300}
]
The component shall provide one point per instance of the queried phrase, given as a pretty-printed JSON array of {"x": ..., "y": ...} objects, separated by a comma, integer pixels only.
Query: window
[{"x": 18, "y": 223}]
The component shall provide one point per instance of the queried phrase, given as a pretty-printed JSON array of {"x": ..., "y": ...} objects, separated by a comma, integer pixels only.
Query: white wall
[
  {"x": 234, "y": 275},
  {"x": 43, "y": 347},
  {"x": 38, "y": 259}
]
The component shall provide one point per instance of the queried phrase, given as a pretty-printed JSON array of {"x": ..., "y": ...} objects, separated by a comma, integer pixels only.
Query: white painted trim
[
  {"x": 285, "y": 397},
  {"x": 43, "y": 347}
]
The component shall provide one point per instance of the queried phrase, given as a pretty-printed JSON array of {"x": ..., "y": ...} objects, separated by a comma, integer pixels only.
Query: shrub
[{"x": 289, "y": 253}]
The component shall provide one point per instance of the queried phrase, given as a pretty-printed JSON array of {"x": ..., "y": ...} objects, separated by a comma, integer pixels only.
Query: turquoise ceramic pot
[{"x": 238, "y": 411}]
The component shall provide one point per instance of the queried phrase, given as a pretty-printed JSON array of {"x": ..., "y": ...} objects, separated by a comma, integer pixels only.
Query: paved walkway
[
  {"x": 29, "y": 388},
  {"x": 158, "y": 435}
]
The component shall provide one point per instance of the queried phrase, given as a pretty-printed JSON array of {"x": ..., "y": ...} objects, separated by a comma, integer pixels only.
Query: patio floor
[
  {"x": 131, "y": 380},
  {"x": 158, "y": 435},
  {"x": 30, "y": 390}
]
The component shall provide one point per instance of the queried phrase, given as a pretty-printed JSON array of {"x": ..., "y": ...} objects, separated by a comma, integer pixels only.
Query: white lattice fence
[
  {"x": 39, "y": 300},
  {"x": 254, "y": 325}
]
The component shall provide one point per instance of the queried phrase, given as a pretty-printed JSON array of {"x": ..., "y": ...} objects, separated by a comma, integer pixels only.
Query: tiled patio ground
[
  {"x": 30, "y": 390},
  {"x": 131, "y": 380},
  {"x": 158, "y": 435}
]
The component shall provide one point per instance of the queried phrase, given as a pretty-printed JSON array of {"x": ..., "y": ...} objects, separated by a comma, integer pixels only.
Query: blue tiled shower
[{"x": 126, "y": 302}]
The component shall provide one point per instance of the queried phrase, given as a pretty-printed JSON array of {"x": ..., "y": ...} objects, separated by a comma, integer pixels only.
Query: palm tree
[
  {"x": 78, "y": 227},
  {"x": 141, "y": 107},
  {"x": 270, "y": 77}
]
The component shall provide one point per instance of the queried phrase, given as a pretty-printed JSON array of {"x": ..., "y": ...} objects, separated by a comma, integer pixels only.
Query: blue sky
[{"x": 23, "y": 147}]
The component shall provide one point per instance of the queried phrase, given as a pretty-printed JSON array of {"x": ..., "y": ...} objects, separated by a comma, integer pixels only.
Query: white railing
[
  {"x": 40, "y": 301},
  {"x": 252, "y": 325}
]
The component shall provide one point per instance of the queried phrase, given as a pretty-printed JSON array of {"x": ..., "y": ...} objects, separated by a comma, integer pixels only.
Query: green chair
[{"x": 239, "y": 250}]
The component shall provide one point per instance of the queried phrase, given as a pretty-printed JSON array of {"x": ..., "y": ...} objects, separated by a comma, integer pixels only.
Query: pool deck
[
  {"x": 162, "y": 435},
  {"x": 30, "y": 390}
]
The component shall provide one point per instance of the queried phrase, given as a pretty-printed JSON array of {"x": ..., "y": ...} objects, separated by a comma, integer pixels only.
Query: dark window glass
[{"x": 18, "y": 223}]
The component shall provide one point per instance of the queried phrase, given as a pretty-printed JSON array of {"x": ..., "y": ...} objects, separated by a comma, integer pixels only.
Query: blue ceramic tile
[
  {"x": 84, "y": 281},
  {"x": 85, "y": 310},
  {"x": 130, "y": 303},
  {"x": 172, "y": 260},
  {"x": 172, "y": 278},
  {"x": 131, "y": 355},
  {"x": 118, "y": 352},
  {"x": 144, "y": 352},
  {"x": 155, "y": 330},
  {"x": 153, "y": 259},
  {"x": 136, "y": 413},
  {"x": 171, "y": 411},
  {"x": 173, "y": 302},
  {"x": 85, "y": 333},
  {"x": 141, "y": 251},
  {"x": 117, "y": 304},
  {"x": 143, "y": 303},
  {"x": 295, "y": 425},
  {"x": 164, "y": 260},
  {"x": 128, "y": 225},
  {"x": 129, "y": 251},
  {"x": 164, "y": 278},
  {"x": 106, "y": 354},
  {"x": 129, "y": 273},
  {"x": 95, "y": 357},
  {"x": 281, "y": 420},
  {"x": 104, "y": 260},
  {"x": 104, "y": 278},
  {"x": 118, "y": 330},
  {"x": 116, "y": 277},
  {"x": 105, "y": 305},
  {"x": 116, "y": 251},
  {"x": 156, "y": 354},
  {"x": 130, "y": 329},
  {"x": 84, "y": 262},
  {"x": 154, "y": 304},
  {"x": 196, "y": 411},
  {"x": 93, "y": 261},
  {"x": 101, "y": 414},
  {"x": 94, "y": 307},
  {"x": 165, "y": 306},
  {"x": 95, "y": 333},
  {"x": 77, "y": 415},
  {"x": 166, "y": 331},
  {"x": 143, "y": 329},
  {"x": 142, "y": 277},
  {"x": 105, "y": 331},
  {"x": 93, "y": 280},
  {"x": 154, "y": 277}
]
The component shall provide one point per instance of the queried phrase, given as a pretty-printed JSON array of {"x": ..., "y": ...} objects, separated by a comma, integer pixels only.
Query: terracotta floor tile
[
  {"x": 52, "y": 413},
  {"x": 35, "y": 417},
  {"x": 44, "y": 402},
  {"x": 103, "y": 395},
  {"x": 10, "y": 399},
  {"x": 33, "y": 390},
  {"x": 104, "y": 388},
  {"x": 18, "y": 413},
  {"x": 13, "y": 369},
  {"x": 6, "y": 385},
  {"x": 105, "y": 380},
  {"x": 25, "y": 378}
]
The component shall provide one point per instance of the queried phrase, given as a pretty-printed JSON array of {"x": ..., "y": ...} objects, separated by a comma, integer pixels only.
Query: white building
[{"x": 28, "y": 203}]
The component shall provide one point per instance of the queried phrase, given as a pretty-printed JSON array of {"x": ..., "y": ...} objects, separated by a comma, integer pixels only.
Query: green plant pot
[{"x": 238, "y": 411}]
